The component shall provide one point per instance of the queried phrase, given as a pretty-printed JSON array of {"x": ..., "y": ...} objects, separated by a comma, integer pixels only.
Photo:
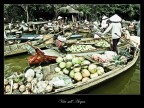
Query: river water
[{"x": 125, "y": 83}]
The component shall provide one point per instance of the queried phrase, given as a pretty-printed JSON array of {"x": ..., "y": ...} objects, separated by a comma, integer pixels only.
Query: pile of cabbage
[
  {"x": 103, "y": 44},
  {"x": 78, "y": 68},
  {"x": 30, "y": 82},
  {"x": 80, "y": 48}
]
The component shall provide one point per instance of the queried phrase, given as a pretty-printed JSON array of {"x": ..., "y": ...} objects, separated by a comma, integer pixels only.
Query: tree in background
[{"x": 28, "y": 12}]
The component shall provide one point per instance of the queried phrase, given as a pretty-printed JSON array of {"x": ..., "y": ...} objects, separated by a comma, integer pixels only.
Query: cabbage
[
  {"x": 85, "y": 62},
  {"x": 60, "y": 72},
  {"x": 85, "y": 73},
  {"x": 64, "y": 59},
  {"x": 92, "y": 68},
  {"x": 69, "y": 64},
  {"x": 76, "y": 61},
  {"x": 85, "y": 79},
  {"x": 93, "y": 75},
  {"x": 65, "y": 71},
  {"x": 57, "y": 69},
  {"x": 81, "y": 59},
  {"x": 100, "y": 70},
  {"x": 59, "y": 59},
  {"x": 78, "y": 76},
  {"x": 62, "y": 65},
  {"x": 77, "y": 69},
  {"x": 72, "y": 73},
  {"x": 69, "y": 57}
]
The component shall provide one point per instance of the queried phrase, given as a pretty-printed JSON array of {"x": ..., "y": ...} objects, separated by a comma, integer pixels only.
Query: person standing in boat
[
  {"x": 104, "y": 23},
  {"x": 116, "y": 30}
]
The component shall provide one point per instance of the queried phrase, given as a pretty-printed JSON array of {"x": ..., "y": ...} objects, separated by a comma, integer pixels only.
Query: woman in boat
[
  {"x": 116, "y": 28},
  {"x": 60, "y": 43}
]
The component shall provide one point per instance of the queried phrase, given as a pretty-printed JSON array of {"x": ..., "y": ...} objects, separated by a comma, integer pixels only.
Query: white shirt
[
  {"x": 104, "y": 24},
  {"x": 116, "y": 28}
]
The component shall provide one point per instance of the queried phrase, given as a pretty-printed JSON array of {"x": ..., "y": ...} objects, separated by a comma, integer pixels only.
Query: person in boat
[
  {"x": 17, "y": 25},
  {"x": 23, "y": 27},
  {"x": 18, "y": 34},
  {"x": 66, "y": 20},
  {"x": 95, "y": 25},
  {"x": 60, "y": 23},
  {"x": 75, "y": 27},
  {"x": 132, "y": 28},
  {"x": 104, "y": 23},
  {"x": 61, "y": 43},
  {"x": 86, "y": 25},
  {"x": 30, "y": 28},
  {"x": 44, "y": 29},
  {"x": 116, "y": 30},
  {"x": 135, "y": 40},
  {"x": 138, "y": 29},
  {"x": 126, "y": 32}
]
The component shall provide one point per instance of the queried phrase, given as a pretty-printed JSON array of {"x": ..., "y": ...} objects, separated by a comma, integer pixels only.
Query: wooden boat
[
  {"x": 112, "y": 72},
  {"x": 14, "y": 49},
  {"x": 25, "y": 37},
  {"x": 91, "y": 41},
  {"x": 93, "y": 82}
]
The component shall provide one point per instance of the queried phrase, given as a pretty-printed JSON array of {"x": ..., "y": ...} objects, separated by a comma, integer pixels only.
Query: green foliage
[{"x": 90, "y": 11}]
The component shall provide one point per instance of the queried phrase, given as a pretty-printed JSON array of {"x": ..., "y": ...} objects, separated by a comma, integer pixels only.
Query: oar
[
  {"x": 92, "y": 44},
  {"x": 100, "y": 35}
]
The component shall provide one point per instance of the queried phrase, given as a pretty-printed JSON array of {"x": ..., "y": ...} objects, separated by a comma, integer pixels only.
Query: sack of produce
[
  {"x": 56, "y": 82},
  {"x": 110, "y": 55},
  {"x": 61, "y": 81}
]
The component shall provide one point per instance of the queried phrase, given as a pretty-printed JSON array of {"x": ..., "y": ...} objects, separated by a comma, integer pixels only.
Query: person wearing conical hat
[
  {"x": 61, "y": 43},
  {"x": 104, "y": 24},
  {"x": 60, "y": 24},
  {"x": 116, "y": 30}
]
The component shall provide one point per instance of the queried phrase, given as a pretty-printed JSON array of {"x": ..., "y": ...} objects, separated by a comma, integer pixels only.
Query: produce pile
[
  {"x": 110, "y": 56},
  {"x": 31, "y": 82},
  {"x": 80, "y": 48},
  {"x": 70, "y": 69},
  {"x": 78, "y": 68},
  {"x": 103, "y": 58},
  {"x": 103, "y": 44}
]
